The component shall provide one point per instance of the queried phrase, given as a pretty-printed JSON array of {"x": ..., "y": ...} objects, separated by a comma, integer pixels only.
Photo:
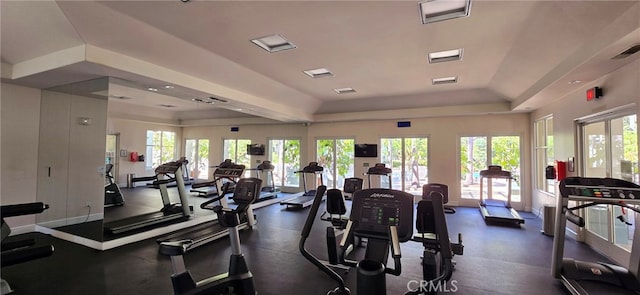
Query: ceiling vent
[
  {"x": 630, "y": 51},
  {"x": 119, "y": 97},
  {"x": 444, "y": 56},
  {"x": 344, "y": 90},
  {"x": 444, "y": 80},
  {"x": 216, "y": 99},
  {"x": 274, "y": 43},
  {"x": 318, "y": 73},
  {"x": 432, "y": 11}
]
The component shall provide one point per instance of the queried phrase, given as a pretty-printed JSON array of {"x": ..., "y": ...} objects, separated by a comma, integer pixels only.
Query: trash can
[
  {"x": 548, "y": 220},
  {"x": 130, "y": 183}
]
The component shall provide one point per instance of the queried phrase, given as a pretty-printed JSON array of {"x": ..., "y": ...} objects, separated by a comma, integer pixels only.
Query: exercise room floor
[{"x": 497, "y": 260}]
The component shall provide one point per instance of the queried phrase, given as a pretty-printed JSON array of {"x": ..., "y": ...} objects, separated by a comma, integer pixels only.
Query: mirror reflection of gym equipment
[
  {"x": 305, "y": 199},
  {"x": 226, "y": 179},
  {"x": 268, "y": 190},
  {"x": 166, "y": 173},
  {"x": 238, "y": 280}
]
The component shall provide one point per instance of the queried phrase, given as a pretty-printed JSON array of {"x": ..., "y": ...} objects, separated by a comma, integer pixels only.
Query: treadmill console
[
  {"x": 313, "y": 167},
  {"x": 232, "y": 171},
  {"x": 599, "y": 188},
  {"x": 379, "y": 169},
  {"x": 374, "y": 210}
]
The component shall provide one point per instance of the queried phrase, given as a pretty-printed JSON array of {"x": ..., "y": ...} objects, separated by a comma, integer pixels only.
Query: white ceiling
[{"x": 518, "y": 55}]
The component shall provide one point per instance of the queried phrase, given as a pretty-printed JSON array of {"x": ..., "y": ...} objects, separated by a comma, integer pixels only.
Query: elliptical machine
[
  {"x": 385, "y": 218},
  {"x": 112, "y": 194},
  {"x": 239, "y": 279}
]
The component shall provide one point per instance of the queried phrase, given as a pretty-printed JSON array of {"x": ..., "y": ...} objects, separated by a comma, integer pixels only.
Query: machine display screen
[{"x": 377, "y": 216}]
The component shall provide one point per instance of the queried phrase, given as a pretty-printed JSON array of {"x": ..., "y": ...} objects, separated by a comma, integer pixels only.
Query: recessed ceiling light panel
[
  {"x": 446, "y": 55},
  {"x": 438, "y": 10},
  {"x": 318, "y": 73},
  {"x": 274, "y": 43},
  {"x": 344, "y": 90},
  {"x": 444, "y": 80}
]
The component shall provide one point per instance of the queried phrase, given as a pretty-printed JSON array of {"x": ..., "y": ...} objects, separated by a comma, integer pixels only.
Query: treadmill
[
  {"x": 305, "y": 199},
  {"x": 224, "y": 177},
  {"x": 268, "y": 190},
  {"x": 497, "y": 211},
  {"x": 170, "y": 213},
  {"x": 379, "y": 169},
  {"x": 581, "y": 277}
]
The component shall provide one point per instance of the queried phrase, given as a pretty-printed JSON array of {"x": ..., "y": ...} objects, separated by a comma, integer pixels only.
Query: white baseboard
[
  {"x": 72, "y": 220},
  {"x": 23, "y": 229}
]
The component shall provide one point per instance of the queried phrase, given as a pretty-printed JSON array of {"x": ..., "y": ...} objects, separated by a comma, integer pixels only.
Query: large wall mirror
[{"x": 71, "y": 163}]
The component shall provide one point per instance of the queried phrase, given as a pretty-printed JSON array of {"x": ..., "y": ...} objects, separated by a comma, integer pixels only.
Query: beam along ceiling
[{"x": 516, "y": 55}]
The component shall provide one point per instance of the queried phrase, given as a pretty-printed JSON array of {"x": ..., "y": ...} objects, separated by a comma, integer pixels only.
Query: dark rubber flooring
[{"x": 497, "y": 260}]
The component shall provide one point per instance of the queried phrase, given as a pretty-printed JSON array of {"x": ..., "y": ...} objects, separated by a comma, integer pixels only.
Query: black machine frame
[
  {"x": 496, "y": 211},
  {"x": 580, "y": 277},
  {"x": 225, "y": 180},
  {"x": 305, "y": 199}
]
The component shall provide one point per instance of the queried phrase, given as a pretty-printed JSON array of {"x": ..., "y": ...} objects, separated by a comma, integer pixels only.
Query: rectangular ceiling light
[
  {"x": 274, "y": 43},
  {"x": 319, "y": 73},
  {"x": 432, "y": 11},
  {"x": 344, "y": 90},
  {"x": 447, "y": 55},
  {"x": 444, "y": 80}
]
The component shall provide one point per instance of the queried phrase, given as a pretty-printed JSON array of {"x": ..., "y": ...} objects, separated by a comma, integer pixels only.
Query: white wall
[
  {"x": 443, "y": 133},
  {"x": 621, "y": 87},
  {"x": 20, "y": 121},
  {"x": 133, "y": 138},
  {"x": 444, "y": 138}
]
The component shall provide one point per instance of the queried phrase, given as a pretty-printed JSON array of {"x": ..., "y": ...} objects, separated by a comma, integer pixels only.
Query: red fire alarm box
[
  {"x": 594, "y": 93},
  {"x": 133, "y": 157},
  {"x": 561, "y": 170}
]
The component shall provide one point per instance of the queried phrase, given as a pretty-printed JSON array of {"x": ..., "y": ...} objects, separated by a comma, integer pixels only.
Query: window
[
  {"x": 337, "y": 158},
  {"x": 285, "y": 157},
  {"x": 236, "y": 150},
  {"x": 544, "y": 153},
  {"x": 477, "y": 153},
  {"x": 197, "y": 153},
  {"x": 408, "y": 159},
  {"x": 160, "y": 148},
  {"x": 609, "y": 148}
]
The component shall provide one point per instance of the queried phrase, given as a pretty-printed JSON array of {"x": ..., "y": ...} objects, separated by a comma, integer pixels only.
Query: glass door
[
  {"x": 337, "y": 158},
  {"x": 111, "y": 156},
  {"x": 408, "y": 159},
  {"x": 476, "y": 154},
  {"x": 236, "y": 150},
  {"x": 609, "y": 148},
  {"x": 197, "y": 153},
  {"x": 284, "y": 155}
]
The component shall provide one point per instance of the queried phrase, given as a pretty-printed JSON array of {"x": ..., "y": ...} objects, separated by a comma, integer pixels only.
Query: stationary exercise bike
[
  {"x": 431, "y": 225},
  {"x": 239, "y": 279}
]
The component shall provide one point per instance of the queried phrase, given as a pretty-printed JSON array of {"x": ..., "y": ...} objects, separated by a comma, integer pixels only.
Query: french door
[
  {"x": 236, "y": 150},
  {"x": 197, "y": 153},
  {"x": 609, "y": 148},
  {"x": 476, "y": 154},
  {"x": 337, "y": 158},
  {"x": 284, "y": 155},
  {"x": 408, "y": 159}
]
